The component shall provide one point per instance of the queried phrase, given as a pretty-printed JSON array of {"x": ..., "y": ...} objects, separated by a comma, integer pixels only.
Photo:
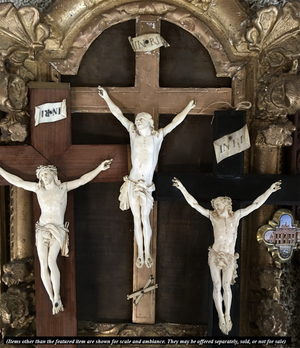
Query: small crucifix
[
  {"x": 222, "y": 257},
  {"x": 227, "y": 179},
  {"x": 51, "y": 145},
  {"x": 136, "y": 192},
  {"x": 51, "y": 231}
]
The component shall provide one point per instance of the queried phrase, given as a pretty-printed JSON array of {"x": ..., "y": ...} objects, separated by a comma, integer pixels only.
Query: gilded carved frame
[{"x": 260, "y": 55}]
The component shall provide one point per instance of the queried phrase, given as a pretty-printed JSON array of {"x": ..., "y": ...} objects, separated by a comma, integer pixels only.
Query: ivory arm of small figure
[
  {"x": 179, "y": 118},
  {"x": 17, "y": 181},
  {"x": 259, "y": 201},
  {"x": 190, "y": 199},
  {"x": 85, "y": 178},
  {"x": 114, "y": 109}
]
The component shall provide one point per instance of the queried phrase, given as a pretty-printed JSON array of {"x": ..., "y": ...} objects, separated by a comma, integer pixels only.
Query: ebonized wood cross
[{"x": 51, "y": 143}]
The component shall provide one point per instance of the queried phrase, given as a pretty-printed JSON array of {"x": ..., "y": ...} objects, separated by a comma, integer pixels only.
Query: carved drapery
[{"x": 260, "y": 55}]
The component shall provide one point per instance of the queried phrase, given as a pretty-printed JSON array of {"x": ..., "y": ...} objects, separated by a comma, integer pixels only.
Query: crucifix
[
  {"x": 147, "y": 96},
  {"x": 227, "y": 179},
  {"x": 51, "y": 231},
  {"x": 136, "y": 191},
  {"x": 51, "y": 145}
]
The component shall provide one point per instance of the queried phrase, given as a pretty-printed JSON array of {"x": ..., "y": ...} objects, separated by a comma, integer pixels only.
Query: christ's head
[
  {"x": 47, "y": 174},
  {"x": 144, "y": 120},
  {"x": 221, "y": 204}
]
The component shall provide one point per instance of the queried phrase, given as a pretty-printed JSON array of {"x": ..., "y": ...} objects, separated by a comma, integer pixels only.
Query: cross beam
[
  {"x": 204, "y": 185},
  {"x": 147, "y": 95},
  {"x": 22, "y": 160},
  {"x": 164, "y": 100}
]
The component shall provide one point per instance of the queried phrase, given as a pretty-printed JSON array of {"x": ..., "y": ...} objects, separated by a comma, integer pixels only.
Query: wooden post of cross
[
  {"x": 51, "y": 144},
  {"x": 227, "y": 179},
  {"x": 147, "y": 96}
]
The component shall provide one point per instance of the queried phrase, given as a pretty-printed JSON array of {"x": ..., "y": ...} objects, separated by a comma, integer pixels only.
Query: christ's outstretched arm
[
  {"x": 16, "y": 181},
  {"x": 85, "y": 178},
  {"x": 190, "y": 199},
  {"x": 259, "y": 201},
  {"x": 114, "y": 109},
  {"x": 179, "y": 118}
]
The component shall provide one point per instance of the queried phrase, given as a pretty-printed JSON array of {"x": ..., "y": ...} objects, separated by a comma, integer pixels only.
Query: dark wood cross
[
  {"x": 51, "y": 144},
  {"x": 147, "y": 96},
  {"x": 227, "y": 179}
]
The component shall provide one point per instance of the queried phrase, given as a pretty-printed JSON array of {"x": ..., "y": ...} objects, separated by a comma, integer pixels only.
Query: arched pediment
[{"x": 74, "y": 26}]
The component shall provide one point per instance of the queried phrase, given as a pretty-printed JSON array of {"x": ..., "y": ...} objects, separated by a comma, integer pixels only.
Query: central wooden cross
[{"x": 147, "y": 96}]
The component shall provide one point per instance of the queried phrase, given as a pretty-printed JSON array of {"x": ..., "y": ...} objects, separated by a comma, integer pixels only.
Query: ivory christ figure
[
  {"x": 136, "y": 191},
  {"x": 50, "y": 231},
  {"x": 221, "y": 255}
]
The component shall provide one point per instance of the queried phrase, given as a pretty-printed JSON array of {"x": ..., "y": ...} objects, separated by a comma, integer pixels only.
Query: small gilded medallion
[{"x": 281, "y": 236}]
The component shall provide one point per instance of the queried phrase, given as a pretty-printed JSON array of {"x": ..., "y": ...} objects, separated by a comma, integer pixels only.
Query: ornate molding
[
  {"x": 22, "y": 37},
  {"x": 21, "y": 224},
  {"x": 65, "y": 56},
  {"x": 274, "y": 37},
  {"x": 277, "y": 133},
  {"x": 269, "y": 279},
  {"x": 39, "y": 4},
  {"x": 13, "y": 95},
  {"x": 289, "y": 295},
  {"x": 224, "y": 17},
  {"x": 134, "y": 330},
  {"x": 272, "y": 318},
  {"x": 18, "y": 271},
  {"x": 278, "y": 96},
  {"x": 155, "y": 8},
  {"x": 14, "y": 127},
  {"x": 17, "y": 303},
  {"x": 203, "y": 5},
  {"x": 268, "y": 313}
]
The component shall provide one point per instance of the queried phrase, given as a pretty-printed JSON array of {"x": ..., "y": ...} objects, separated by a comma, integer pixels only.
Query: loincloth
[
  {"x": 52, "y": 232},
  {"x": 140, "y": 192},
  {"x": 224, "y": 261}
]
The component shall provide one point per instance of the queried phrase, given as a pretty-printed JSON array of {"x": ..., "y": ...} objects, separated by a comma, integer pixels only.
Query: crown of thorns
[{"x": 42, "y": 168}]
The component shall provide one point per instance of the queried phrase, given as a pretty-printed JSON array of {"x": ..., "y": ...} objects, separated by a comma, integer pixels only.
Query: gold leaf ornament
[{"x": 22, "y": 35}]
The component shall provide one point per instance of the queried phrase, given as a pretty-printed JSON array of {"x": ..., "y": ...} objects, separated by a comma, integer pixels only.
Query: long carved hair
[
  {"x": 149, "y": 118},
  {"x": 224, "y": 199}
]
